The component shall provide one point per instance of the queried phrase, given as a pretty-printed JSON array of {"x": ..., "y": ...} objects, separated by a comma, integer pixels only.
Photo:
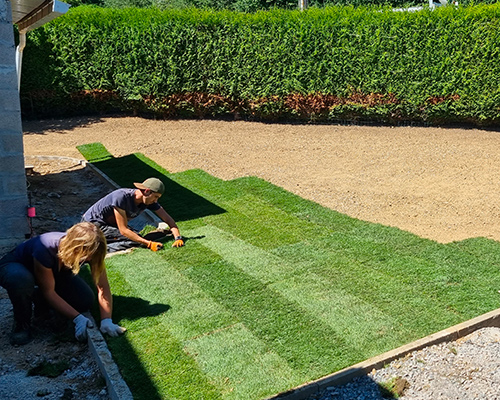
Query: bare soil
[
  {"x": 439, "y": 183},
  {"x": 61, "y": 189}
]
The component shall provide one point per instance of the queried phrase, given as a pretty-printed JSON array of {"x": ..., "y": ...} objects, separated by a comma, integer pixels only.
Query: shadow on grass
[
  {"x": 136, "y": 377},
  {"x": 132, "y": 308},
  {"x": 131, "y": 366},
  {"x": 181, "y": 203},
  {"x": 124, "y": 307}
]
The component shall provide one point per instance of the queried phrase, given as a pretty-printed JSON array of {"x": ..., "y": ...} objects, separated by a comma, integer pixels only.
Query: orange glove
[
  {"x": 155, "y": 246},
  {"x": 179, "y": 242}
]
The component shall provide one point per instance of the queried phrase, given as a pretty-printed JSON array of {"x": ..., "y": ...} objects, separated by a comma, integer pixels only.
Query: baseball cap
[{"x": 153, "y": 184}]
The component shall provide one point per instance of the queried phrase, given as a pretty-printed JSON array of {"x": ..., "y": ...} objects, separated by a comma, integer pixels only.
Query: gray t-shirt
[{"x": 103, "y": 210}]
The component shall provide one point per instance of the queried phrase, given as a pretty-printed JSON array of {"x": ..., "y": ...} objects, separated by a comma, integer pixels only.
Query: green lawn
[{"x": 272, "y": 290}]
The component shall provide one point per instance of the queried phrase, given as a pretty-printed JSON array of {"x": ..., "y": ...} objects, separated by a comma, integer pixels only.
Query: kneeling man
[{"x": 113, "y": 211}]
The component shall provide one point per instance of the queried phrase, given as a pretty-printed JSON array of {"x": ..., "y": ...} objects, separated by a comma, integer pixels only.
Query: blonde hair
[{"x": 83, "y": 242}]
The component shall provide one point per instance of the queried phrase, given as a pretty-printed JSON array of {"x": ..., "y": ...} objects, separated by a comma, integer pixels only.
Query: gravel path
[{"x": 468, "y": 368}]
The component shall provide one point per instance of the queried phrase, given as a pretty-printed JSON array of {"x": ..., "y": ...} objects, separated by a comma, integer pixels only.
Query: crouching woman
[{"x": 51, "y": 263}]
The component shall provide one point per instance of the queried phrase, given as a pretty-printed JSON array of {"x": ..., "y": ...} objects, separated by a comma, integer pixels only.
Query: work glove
[
  {"x": 81, "y": 324},
  {"x": 111, "y": 329},
  {"x": 179, "y": 242},
  {"x": 155, "y": 246}
]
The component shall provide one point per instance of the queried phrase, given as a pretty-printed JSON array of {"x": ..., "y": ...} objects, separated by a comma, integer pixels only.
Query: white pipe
[{"x": 19, "y": 57}]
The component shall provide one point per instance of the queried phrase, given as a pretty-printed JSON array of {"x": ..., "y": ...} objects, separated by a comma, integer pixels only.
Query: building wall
[{"x": 13, "y": 194}]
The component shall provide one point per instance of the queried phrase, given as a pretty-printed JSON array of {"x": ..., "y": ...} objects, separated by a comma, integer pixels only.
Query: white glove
[
  {"x": 81, "y": 324},
  {"x": 111, "y": 329}
]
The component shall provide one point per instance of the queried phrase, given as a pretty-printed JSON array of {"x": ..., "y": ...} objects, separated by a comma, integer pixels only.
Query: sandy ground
[{"x": 439, "y": 183}]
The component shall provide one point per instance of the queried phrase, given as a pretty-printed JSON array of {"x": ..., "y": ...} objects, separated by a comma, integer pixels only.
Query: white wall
[{"x": 13, "y": 193}]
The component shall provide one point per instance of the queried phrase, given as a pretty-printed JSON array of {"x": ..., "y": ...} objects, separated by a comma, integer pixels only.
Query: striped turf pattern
[{"x": 272, "y": 291}]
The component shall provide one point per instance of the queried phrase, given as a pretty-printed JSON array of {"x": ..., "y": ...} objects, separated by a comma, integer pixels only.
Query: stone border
[
  {"x": 50, "y": 158},
  {"x": 491, "y": 319},
  {"x": 117, "y": 388}
]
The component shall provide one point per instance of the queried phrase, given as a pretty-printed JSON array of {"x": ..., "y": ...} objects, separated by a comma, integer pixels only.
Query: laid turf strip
[{"x": 272, "y": 290}]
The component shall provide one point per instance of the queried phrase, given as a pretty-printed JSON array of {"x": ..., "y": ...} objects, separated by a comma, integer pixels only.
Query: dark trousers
[
  {"x": 20, "y": 285},
  {"x": 116, "y": 241}
]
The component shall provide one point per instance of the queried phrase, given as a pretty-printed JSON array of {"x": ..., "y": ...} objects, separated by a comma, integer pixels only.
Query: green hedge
[
  {"x": 256, "y": 5},
  {"x": 337, "y": 63}
]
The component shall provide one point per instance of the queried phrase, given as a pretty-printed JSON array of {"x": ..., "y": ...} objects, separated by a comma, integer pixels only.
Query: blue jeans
[{"x": 20, "y": 284}]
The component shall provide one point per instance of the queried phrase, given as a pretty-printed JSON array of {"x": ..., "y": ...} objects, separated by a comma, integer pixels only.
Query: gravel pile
[{"x": 468, "y": 368}]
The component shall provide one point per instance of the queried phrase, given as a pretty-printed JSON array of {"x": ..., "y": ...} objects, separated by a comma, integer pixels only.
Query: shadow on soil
[{"x": 40, "y": 127}]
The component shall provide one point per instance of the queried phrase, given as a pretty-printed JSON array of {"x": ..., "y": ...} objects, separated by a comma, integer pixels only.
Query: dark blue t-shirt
[
  {"x": 103, "y": 210},
  {"x": 43, "y": 248}
]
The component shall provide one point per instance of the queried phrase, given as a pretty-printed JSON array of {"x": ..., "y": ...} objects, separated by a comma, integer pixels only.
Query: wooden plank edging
[{"x": 346, "y": 375}]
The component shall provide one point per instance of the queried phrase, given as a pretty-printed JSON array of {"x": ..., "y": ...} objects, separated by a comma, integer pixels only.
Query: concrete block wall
[{"x": 13, "y": 193}]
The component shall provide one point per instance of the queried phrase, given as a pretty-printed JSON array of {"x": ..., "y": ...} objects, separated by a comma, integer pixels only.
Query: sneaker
[{"x": 20, "y": 335}]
